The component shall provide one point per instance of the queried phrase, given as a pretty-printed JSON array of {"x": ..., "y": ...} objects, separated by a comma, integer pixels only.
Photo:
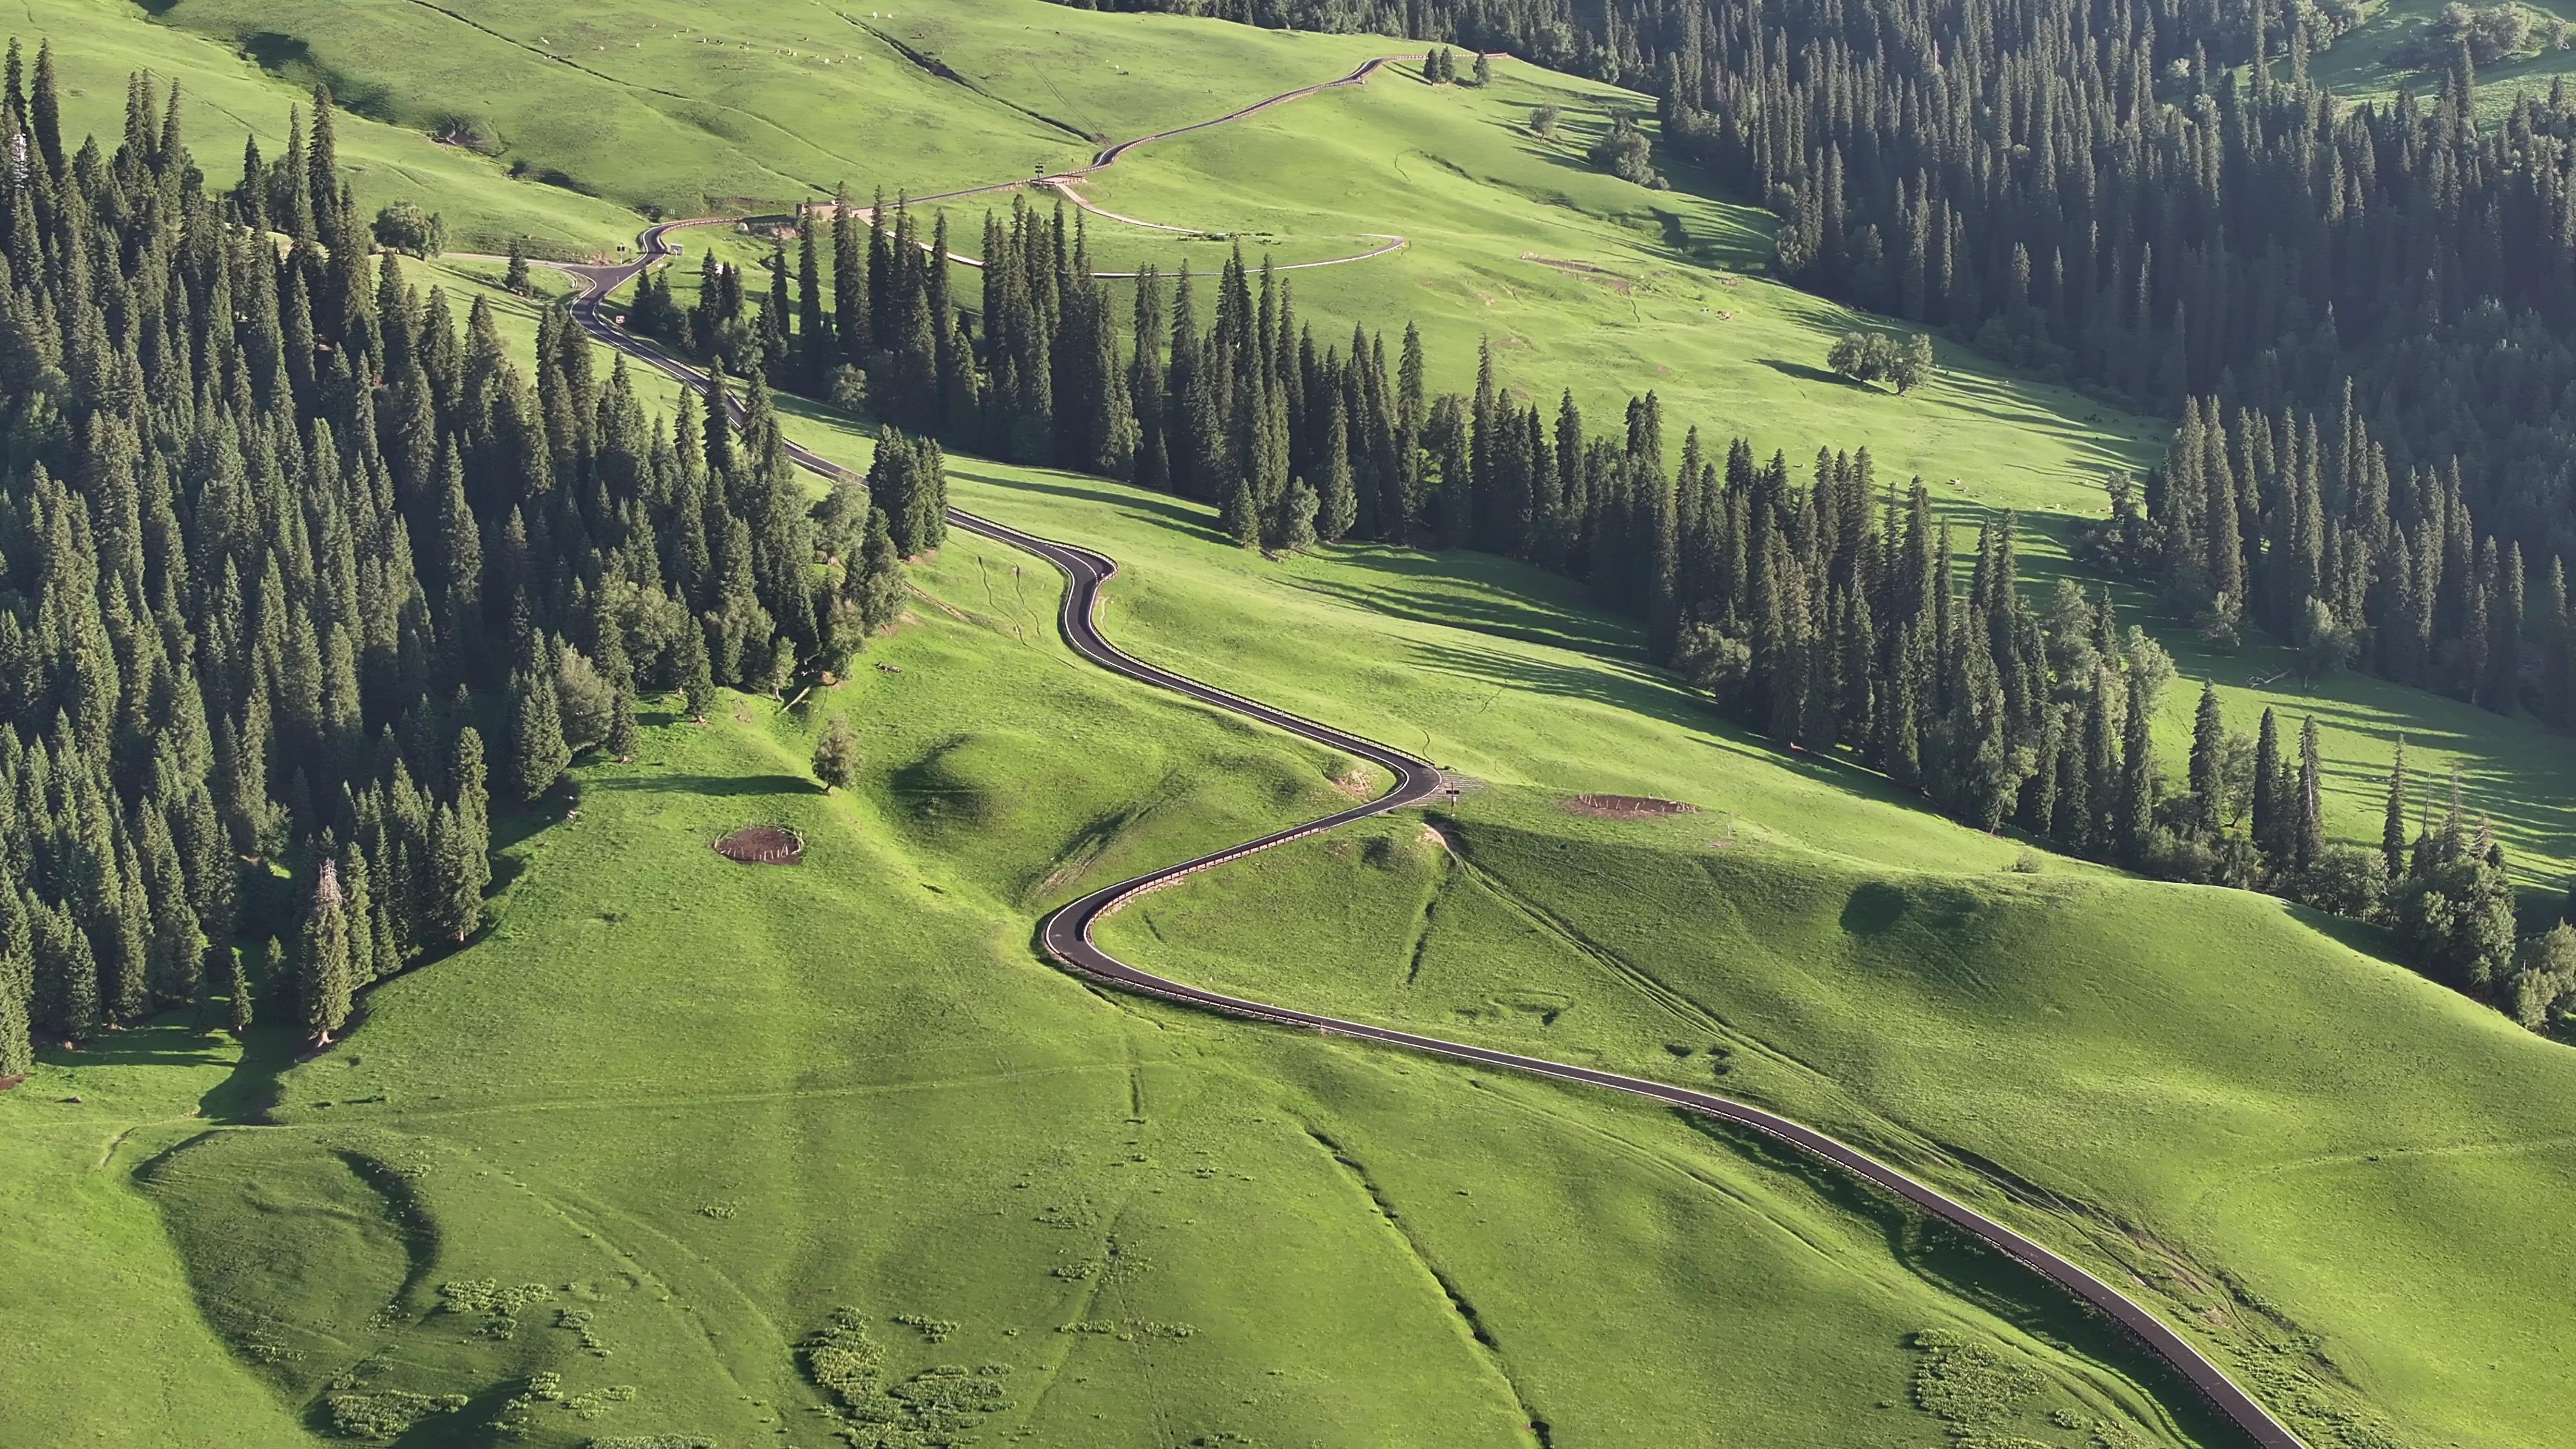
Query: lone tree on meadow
[{"x": 836, "y": 755}]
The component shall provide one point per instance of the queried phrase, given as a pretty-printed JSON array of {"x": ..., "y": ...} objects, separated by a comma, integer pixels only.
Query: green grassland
[
  {"x": 1988, "y": 441},
  {"x": 702, "y": 1106},
  {"x": 1582, "y": 280},
  {"x": 687, "y": 106},
  {"x": 2308, "y": 1156},
  {"x": 2188, "y": 1065},
  {"x": 2368, "y": 62},
  {"x": 98, "y": 43},
  {"x": 670, "y": 1113}
]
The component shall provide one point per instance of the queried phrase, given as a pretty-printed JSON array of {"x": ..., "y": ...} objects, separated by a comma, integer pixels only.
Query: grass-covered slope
[
  {"x": 704, "y": 1106},
  {"x": 2182, "y": 1076},
  {"x": 671, "y": 1113},
  {"x": 1501, "y": 227},
  {"x": 98, "y": 43},
  {"x": 2392, "y": 47},
  {"x": 692, "y": 106}
]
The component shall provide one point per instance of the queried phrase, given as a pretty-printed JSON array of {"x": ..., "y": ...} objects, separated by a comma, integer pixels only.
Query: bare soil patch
[
  {"x": 1627, "y": 807},
  {"x": 763, "y": 845}
]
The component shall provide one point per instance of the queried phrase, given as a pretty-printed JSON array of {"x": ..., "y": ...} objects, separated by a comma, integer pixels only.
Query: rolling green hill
[
  {"x": 693, "y": 1109},
  {"x": 672, "y": 1113}
]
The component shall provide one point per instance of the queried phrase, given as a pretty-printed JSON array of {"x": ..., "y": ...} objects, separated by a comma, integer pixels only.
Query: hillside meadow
[
  {"x": 706, "y": 1106},
  {"x": 702, "y": 1108}
]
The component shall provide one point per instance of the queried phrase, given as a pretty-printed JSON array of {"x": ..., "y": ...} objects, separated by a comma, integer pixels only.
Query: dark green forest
[{"x": 283, "y": 545}]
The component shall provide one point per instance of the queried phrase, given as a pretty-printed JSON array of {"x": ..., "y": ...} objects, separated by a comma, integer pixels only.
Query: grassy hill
[
  {"x": 2390, "y": 49},
  {"x": 230, "y": 96},
  {"x": 2178, "y": 1079},
  {"x": 703, "y": 1106},
  {"x": 670, "y": 1114}
]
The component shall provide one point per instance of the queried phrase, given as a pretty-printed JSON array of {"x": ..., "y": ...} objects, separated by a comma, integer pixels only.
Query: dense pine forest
[
  {"x": 2367, "y": 307},
  {"x": 283, "y": 545}
]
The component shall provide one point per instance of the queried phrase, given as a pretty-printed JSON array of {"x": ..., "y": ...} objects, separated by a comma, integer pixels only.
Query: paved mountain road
[{"x": 1066, "y": 933}]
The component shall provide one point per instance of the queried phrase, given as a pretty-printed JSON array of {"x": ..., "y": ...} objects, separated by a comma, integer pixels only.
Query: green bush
[{"x": 405, "y": 227}]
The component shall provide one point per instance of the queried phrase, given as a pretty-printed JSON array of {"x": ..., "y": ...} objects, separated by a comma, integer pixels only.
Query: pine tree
[
  {"x": 878, "y": 591},
  {"x": 514, "y": 277},
  {"x": 2134, "y": 814},
  {"x": 1240, "y": 517},
  {"x": 1339, "y": 499},
  {"x": 325, "y": 960},
  {"x": 357, "y": 907},
  {"x": 538, "y": 754},
  {"x": 849, "y": 282},
  {"x": 2208, "y": 761},
  {"x": 17, "y": 982},
  {"x": 460, "y": 871},
  {"x": 1294, "y": 529},
  {"x": 236, "y": 981},
  {"x": 836, "y": 755},
  {"x": 624, "y": 736},
  {"x": 2270, "y": 811},
  {"x": 2392, "y": 824},
  {"x": 697, "y": 678}
]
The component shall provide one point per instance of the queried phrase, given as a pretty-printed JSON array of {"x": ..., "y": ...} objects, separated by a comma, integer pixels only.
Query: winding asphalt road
[{"x": 1066, "y": 933}]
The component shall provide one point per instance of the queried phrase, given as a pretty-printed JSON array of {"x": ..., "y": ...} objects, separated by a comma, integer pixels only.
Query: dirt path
[{"x": 609, "y": 277}]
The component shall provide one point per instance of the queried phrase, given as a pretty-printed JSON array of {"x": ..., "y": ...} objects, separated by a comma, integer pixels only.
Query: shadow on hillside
[
  {"x": 1804, "y": 373},
  {"x": 251, "y": 1090},
  {"x": 716, "y": 786},
  {"x": 1190, "y": 520},
  {"x": 1645, "y": 692},
  {"x": 164, "y": 1041},
  {"x": 2360, "y": 937},
  {"x": 1500, "y": 613}
]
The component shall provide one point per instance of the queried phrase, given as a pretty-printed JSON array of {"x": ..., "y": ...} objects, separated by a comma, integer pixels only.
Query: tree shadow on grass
[
  {"x": 247, "y": 1094},
  {"x": 170, "y": 1040},
  {"x": 721, "y": 786},
  {"x": 1804, "y": 373},
  {"x": 1179, "y": 515},
  {"x": 1505, "y": 611}
]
